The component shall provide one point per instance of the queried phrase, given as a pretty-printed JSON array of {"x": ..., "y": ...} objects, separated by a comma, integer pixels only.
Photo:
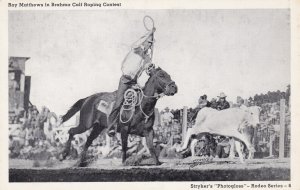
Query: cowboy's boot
[{"x": 112, "y": 131}]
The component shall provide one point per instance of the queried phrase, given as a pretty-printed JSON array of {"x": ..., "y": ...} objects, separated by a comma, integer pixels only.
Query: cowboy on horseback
[
  {"x": 128, "y": 97},
  {"x": 136, "y": 61}
]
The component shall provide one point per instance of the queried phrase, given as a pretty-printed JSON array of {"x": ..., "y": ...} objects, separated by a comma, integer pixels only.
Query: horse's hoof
[
  {"x": 180, "y": 150},
  {"x": 231, "y": 157},
  {"x": 63, "y": 156},
  {"x": 83, "y": 164},
  {"x": 158, "y": 163},
  {"x": 183, "y": 151},
  {"x": 80, "y": 164},
  {"x": 125, "y": 163},
  {"x": 60, "y": 158}
]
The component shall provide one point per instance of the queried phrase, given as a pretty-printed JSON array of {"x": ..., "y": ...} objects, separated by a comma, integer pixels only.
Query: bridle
[{"x": 165, "y": 82}]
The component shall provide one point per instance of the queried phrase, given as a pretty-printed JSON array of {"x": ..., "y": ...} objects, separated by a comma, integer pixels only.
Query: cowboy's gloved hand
[
  {"x": 131, "y": 82},
  {"x": 135, "y": 86},
  {"x": 147, "y": 59},
  {"x": 147, "y": 65}
]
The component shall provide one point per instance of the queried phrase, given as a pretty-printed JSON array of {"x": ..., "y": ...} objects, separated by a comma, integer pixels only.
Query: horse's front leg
[
  {"x": 124, "y": 139},
  {"x": 149, "y": 140}
]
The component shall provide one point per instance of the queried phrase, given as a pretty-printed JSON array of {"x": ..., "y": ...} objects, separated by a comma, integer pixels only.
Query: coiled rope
[{"x": 132, "y": 99}]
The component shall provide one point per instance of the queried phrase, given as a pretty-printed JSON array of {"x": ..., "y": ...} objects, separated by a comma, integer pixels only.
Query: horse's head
[{"x": 162, "y": 81}]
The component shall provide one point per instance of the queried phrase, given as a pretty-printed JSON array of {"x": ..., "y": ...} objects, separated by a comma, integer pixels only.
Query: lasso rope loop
[
  {"x": 133, "y": 99},
  {"x": 144, "y": 20},
  {"x": 151, "y": 32}
]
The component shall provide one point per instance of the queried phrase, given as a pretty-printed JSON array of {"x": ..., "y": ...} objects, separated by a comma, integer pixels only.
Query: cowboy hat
[{"x": 222, "y": 95}]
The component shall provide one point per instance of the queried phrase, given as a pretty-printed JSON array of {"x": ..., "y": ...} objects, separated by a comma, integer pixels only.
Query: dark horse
[{"x": 140, "y": 124}]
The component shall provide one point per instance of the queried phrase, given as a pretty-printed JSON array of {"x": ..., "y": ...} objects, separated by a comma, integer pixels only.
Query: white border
[{"x": 155, "y": 4}]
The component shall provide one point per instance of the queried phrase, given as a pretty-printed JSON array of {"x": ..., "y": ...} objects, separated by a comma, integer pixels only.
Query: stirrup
[{"x": 111, "y": 133}]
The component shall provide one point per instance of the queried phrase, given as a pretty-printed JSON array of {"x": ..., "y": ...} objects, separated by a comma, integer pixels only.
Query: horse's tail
[{"x": 74, "y": 109}]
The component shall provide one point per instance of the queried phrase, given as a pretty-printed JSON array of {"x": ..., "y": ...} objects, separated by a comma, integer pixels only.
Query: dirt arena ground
[{"x": 189, "y": 169}]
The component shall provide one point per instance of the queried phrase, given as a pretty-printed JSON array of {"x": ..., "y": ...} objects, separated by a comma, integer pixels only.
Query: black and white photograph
[{"x": 150, "y": 95}]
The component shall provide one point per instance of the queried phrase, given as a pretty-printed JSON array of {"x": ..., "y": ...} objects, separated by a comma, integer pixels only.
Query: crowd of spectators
[{"x": 32, "y": 133}]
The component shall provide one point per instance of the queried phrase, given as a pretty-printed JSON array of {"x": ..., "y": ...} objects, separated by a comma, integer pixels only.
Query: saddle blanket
[{"x": 105, "y": 107}]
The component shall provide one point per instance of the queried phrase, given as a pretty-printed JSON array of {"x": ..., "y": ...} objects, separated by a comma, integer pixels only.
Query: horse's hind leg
[
  {"x": 94, "y": 134},
  {"x": 73, "y": 131}
]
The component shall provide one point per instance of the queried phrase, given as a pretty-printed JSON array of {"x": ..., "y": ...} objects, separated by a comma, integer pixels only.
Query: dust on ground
[{"x": 195, "y": 163}]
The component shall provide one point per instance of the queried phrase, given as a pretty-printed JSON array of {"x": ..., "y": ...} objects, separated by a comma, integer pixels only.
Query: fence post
[
  {"x": 107, "y": 140},
  {"x": 157, "y": 117},
  {"x": 184, "y": 122},
  {"x": 282, "y": 128},
  {"x": 271, "y": 146}
]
